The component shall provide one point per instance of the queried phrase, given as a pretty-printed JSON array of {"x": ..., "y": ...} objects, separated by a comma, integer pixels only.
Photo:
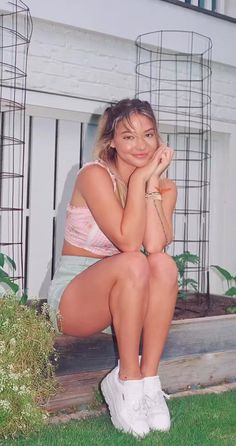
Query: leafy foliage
[
  {"x": 231, "y": 309},
  {"x": 6, "y": 280},
  {"x": 26, "y": 344},
  {"x": 182, "y": 260},
  {"x": 230, "y": 279},
  {"x": 26, "y": 373},
  {"x": 4, "y": 276}
]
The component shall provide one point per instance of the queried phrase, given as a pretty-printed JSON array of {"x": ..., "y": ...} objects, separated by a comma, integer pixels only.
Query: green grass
[{"x": 206, "y": 420}]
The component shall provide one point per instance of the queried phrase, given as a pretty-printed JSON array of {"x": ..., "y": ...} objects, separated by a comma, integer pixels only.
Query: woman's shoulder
[
  {"x": 95, "y": 172},
  {"x": 88, "y": 165},
  {"x": 92, "y": 167}
]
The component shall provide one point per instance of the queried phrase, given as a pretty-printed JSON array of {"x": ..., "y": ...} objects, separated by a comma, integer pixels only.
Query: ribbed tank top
[{"x": 82, "y": 231}]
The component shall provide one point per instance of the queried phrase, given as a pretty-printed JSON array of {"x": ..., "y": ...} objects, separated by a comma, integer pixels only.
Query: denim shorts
[{"x": 68, "y": 268}]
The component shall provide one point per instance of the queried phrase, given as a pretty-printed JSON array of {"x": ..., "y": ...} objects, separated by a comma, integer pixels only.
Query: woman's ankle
[
  {"x": 148, "y": 372},
  {"x": 126, "y": 376}
]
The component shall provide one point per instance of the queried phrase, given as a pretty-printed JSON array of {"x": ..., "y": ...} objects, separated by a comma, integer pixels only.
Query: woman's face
[{"x": 135, "y": 141}]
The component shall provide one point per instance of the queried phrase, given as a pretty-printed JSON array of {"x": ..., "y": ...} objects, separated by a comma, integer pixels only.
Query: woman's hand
[
  {"x": 151, "y": 168},
  {"x": 159, "y": 162},
  {"x": 165, "y": 160}
]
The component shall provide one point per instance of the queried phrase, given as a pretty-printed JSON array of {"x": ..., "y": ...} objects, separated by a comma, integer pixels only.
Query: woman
[{"x": 119, "y": 205}]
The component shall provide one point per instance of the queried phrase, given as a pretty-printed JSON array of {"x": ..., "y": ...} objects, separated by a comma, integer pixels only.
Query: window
[
  {"x": 214, "y": 5},
  {"x": 225, "y": 9},
  {"x": 201, "y": 3}
]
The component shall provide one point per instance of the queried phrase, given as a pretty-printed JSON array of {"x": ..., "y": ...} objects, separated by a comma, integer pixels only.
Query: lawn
[{"x": 201, "y": 420}]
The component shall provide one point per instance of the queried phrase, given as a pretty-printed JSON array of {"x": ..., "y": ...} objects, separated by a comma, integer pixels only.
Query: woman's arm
[
  {"x": 159, "y": 216},
  {"x": 159, "y": 212},
  {"x": 124, "y": 227}
]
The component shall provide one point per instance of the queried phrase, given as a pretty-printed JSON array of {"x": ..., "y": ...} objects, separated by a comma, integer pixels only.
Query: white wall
[
  {"x": 230, "y": 8},
  {"x": 128, "y": 19},
  {"x": 223, "y": 204},
  {"x": 76, "y": 62}
]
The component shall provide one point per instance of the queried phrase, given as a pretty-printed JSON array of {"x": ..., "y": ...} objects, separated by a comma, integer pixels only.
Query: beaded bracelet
[{"x": 153, "y": 195}]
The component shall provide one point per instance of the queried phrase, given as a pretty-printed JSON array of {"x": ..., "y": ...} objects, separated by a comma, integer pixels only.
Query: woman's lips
[{"x": 140, "y": 155}]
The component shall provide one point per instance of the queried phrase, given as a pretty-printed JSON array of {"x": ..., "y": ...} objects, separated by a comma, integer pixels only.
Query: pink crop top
[{"x": 81, "y": 229}]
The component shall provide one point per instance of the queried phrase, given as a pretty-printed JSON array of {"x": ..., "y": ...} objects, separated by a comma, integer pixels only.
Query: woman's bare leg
[
  {"x": 163, "y": 290},
  {"x": 114, "y": 290}
]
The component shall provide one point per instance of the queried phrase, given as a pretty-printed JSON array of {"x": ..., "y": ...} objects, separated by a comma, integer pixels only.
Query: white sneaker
[
  {"x": 158, "y": 416},
  {"x": 125, "y": 402}
]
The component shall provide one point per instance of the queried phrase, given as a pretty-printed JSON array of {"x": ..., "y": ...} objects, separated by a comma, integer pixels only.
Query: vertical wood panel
[
  {"x": 53, "y": 148},
  {"x": 68, "y": 154},
  {"x": 41, "y": 206},
  {"x": 11, "y": 195}
]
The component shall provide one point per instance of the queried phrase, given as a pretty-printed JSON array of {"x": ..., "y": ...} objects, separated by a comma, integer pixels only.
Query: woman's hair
[{"x": 114, "y": 114}]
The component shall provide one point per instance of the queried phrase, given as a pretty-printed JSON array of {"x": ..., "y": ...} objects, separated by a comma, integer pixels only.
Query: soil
[{"x": 203, "y": 305}]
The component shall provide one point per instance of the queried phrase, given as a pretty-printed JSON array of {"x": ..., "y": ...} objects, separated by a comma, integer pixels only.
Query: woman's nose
[{"x": 141, "y": 144}]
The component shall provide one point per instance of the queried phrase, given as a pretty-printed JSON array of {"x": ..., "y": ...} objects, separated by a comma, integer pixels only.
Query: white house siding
[
  {"x": 129, "y": 19},
  {"x": 70, "y": 61},
  {"x": 84, "y": 69},
  {"x": 77, "y": 62}
]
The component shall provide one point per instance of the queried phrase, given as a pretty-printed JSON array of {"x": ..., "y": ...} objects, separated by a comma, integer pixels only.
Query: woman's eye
[
  {"x": 128, "y": 137},
  {"x": 149, "y": 135}
]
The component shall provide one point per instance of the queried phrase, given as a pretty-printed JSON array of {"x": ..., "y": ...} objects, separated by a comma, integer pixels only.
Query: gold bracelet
[{"x": 153, "y": 195}]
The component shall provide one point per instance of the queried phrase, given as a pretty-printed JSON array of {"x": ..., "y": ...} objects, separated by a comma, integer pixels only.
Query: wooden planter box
[{"x": 198, "y": 352}]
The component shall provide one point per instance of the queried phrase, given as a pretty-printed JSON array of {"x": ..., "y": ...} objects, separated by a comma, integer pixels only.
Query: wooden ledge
[
  {"x": 197, "y": 353},
  {"x": 85, "y": 354}
]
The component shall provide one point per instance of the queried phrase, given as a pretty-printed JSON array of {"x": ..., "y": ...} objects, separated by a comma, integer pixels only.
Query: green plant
[
  {"x": 231, "y": 280},
  {"x": 26, "y": 373},
  {"x": 182, "y": 260},
  {"x": 231, "y": 309},
  {"x": 4, "y": 276},
  {"x": 7, "y": 281}
]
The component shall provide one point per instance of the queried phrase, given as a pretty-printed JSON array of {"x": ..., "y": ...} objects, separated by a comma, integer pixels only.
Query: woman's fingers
[
  {"x": 168, "y": 154},
  {"x": 165, "y": 160},
  {"x": 158, "y": 163}
]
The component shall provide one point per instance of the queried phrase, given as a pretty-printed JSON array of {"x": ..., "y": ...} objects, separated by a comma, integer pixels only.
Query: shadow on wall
[
  {"x": 86, "y": 149},
  {"x": 59, "y": 229}
]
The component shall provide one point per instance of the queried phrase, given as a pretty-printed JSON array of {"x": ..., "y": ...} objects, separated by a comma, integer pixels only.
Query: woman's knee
[
  {"x": 134, "y": 266},
  {"x": 163, "y": 267}
]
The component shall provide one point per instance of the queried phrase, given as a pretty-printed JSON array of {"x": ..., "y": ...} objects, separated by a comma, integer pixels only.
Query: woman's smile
[{"x": 140, "y": 155}]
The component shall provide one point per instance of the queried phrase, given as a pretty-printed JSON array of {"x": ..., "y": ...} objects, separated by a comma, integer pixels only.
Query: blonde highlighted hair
[{"x": 114, "y": 114}]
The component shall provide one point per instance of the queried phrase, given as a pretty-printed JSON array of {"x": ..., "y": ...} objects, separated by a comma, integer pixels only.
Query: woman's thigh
[{"x": 84, "y": 306}]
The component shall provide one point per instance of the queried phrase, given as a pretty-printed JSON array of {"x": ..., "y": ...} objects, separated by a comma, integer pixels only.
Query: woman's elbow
[{"x": 130, "y": 246}]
